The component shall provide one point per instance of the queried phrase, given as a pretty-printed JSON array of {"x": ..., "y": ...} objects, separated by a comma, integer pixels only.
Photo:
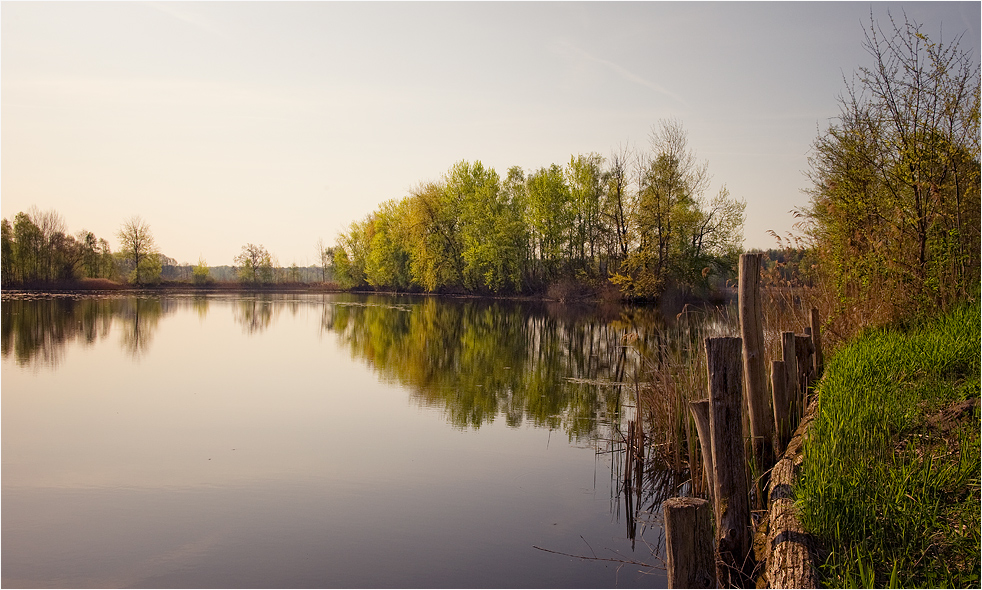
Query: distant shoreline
[{"x": 585, "y": 296}]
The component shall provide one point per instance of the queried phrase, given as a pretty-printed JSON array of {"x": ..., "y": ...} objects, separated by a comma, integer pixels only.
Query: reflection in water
[
  {"x": 554, "y": 366},
  {"x": 139, "y": 317},
  {"x": 255, "y": 313},
  {"x": 37, "y": 329},
  {"x": 482, "y": 359}
]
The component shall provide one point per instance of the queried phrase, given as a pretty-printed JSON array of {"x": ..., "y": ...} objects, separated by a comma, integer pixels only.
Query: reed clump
[
  {"x": 673, "y": 373},
  {"x": 890, "y": 480}
]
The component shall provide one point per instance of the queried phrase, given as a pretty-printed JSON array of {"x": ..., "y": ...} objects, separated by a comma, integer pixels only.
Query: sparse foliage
[
  {"x": 894, "y": 212},
  {"x": 138, "y": 247},
  {"x": 255, "y": 265}
]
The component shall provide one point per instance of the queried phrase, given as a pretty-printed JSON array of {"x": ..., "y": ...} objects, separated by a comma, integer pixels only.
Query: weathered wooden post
[
  {"x": 803, "y": 354},
  {"x": 782, "y": 404},
  {"x": 732, "y": 507},
  {"x": 791, "y": 376},
  {"x": 691, "y": 561},
  {"x": 700, "y": 414},
  {"x": 755, "y": 377},
  {"x": 817, "y": 343}
]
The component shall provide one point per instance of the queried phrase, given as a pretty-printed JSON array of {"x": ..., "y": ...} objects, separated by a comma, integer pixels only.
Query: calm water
[{"x": 328, "y": 440}]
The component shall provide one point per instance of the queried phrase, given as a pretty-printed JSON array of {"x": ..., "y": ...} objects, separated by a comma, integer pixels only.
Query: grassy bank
[{"x": 890, "y": 482}]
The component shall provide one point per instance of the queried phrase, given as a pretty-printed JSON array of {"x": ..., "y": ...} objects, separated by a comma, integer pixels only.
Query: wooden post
[
  {"x": 782, "y": 405},
  {"x": 725, "y": 368},
  {"x": 691, "y": 559},
  {"x": 700, "y": 414},
  {"x": 803, "y": 354},
  {"x": 755, "y": 377},
  {"x": 791, "y": 376},
  {"x": 817, "y": 343}
]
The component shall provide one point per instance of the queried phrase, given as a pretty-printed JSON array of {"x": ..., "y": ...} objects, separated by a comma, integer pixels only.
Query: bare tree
[{"x": 137, "y": 244}]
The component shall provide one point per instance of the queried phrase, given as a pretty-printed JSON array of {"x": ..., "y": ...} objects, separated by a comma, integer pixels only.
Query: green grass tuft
[{"x": 890, "y": 482}]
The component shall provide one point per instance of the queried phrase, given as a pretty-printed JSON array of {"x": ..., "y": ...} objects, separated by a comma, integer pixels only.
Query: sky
[{"x": 227, "y": 123}]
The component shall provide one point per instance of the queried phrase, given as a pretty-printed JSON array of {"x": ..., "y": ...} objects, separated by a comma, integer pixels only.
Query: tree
[
  {"x": 7, "y": 253},
  {"x": 27, "y": 248},
  {"x": 585, "y": 178},
  {"x": 548, "y": 219},
  {"x": 200, "y": 274},
  {"x": 435, "y": 251},
  {"x": 255, "y": 265},
  {"x": 894, "y": 209},
  {"x": 617, "y": 205},
  {"x": 138, "y": 247},
  {"x": 489, "y": 227},
  {"x": 326, "y": 256},
  {"x": 681, "y": 236},
  {"x": 89, "y": 251}
]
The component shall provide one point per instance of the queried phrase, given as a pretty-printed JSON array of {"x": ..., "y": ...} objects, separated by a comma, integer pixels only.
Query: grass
[{"x": 890, "y": 481}]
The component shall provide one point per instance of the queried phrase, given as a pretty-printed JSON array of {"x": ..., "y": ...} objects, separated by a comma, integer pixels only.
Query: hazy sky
[{"x": 280, "y": 123}]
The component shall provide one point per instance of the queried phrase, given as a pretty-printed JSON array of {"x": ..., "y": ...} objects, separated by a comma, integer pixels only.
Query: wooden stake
[
  {"x": 791, "y": 376},
  {"x": 689, "y": 543},
  {"x": 817, "y": 343},
  {"x": 700, "y": 414},
  {"x": 803, "y": 354},
  {"x": 725, "y": 368},
  {"x": 755, "y": 389},
  {"x": 782, "y": 405}
]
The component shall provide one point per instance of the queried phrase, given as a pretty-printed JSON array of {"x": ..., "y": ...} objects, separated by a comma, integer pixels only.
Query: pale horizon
[{"x": 228, "y": 123}]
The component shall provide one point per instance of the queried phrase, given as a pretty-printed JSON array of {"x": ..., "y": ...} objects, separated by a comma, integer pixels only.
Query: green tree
[
  {"x": 682, "y": 237},
  {"x": 200, "y": 274},
  {"x": 435, "y": 251},
  {"x": 138, "y": 247},
  {"x": 490, "y": 228},
  {"x": 387, "y": 257},
  {"x": 255, "y": 265},
  {"x": 894, "y": 209},
  {"x": 28, "y": 244},
  {"x": 586, "y": 178},
  {"x": 89, "y": 246},
  {"x": 7, "y": 275},
  {"x": 548, "y": 219}
]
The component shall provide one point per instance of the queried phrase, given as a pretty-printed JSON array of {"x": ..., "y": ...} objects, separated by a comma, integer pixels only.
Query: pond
[{"x": 298, "y": 440}]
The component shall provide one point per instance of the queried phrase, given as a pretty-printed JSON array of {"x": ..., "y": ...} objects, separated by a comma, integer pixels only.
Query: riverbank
[{"x": 889, "y": 485}]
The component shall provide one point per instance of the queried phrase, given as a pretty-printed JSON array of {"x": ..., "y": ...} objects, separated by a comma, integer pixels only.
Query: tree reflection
[
  {"x": 139, "y": 318},
  {"x": 481, "y": 359},
  {"x": 255, "y": 314},
  {"x": 37, "y": 329}
]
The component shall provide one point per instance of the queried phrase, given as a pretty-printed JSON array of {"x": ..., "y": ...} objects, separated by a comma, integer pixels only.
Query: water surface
[{"x": 328, "y": 440}]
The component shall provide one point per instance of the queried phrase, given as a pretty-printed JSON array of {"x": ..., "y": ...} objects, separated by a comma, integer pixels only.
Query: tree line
[
  {"x": 37, "y": 250},
  {"x": 640, "y": 220}
]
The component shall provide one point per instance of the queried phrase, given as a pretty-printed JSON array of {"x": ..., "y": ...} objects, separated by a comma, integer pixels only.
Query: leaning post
[
  {"x": 791, "y": 376},
  {"x": 817, "y": 342},
  {"x": 803, "y": 354},
  {"x": 690, "y": 559},
  {"x": 782, "y": 405},
  {"x": 732, "y": 507},
  {"x": 700, "y": 414},
  {"x": 754, "y": 372}
]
